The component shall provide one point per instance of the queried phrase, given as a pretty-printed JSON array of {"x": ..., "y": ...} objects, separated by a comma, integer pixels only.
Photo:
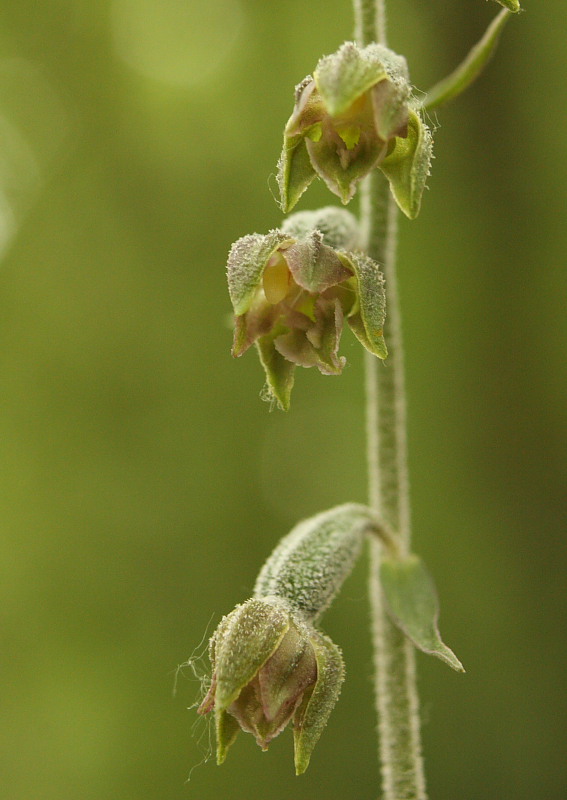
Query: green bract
[
  {"x": 411, "y": 601},
  {"x": 472, "y": 65},
  {"x": 355, "y": 114},
  {"x": 291, "y": 290}
]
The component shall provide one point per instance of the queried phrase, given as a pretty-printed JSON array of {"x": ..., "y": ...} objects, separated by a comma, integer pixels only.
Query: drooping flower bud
[
  {"x": 270, "y": 664},
  {"x": 339, "y": 228},
  {"x": 355, "y": 114},
  {"x": 270, "y": 667},
  {"x": 291, "y": 290}
]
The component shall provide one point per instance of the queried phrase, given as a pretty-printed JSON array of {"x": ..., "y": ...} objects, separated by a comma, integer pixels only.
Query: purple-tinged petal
[{"x": 314, "y": 266}]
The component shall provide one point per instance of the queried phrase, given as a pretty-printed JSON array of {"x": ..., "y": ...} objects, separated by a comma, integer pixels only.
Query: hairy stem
[
  {"x": 397, "y": 702},
  {"x": 385, "y": 386},
  {"x": 369, "y": 21}
]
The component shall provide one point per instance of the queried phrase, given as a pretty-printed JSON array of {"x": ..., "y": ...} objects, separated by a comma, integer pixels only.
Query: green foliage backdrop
[{"x": 143, "y": 482}]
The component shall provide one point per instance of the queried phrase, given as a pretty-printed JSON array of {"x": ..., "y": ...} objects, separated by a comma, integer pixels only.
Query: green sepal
[
  {"x": 367, "y": 318},
  {"x": 395, "y": 65},
  {"x": 295, "y": 171},
  {"x": 213, "y": 643},
  {"x": 312, "y": 715},
  {"x": 279, "y": 371},
  {"x": 412, "y": 604},
  {"x": 315, "y": 266},
  {"x": 246, "y": 262},
  {"x": 337, "y": 225},
  {"x": 227, "y": 728},
  {"x": 473, "y": 64},
  {"x": 407, "y": 165},
  {"x": 344, "y": 76},
  {"x": 326, "y": 336},
  {"x": 251, "y": 634}
]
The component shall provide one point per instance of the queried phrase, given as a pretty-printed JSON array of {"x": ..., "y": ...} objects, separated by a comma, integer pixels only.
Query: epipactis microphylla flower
[
  {"x": 270, "y": 667},
  {"x": 291, "y": 292},
  {"x": 356, "y": 113},
  {"x": 270, "y": 664}
]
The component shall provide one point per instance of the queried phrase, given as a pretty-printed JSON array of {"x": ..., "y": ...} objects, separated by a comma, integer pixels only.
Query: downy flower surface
[
  {"x": 271, "y": 668},
  {"x": 291, "y": 290},
  {"x": 356, "y": 113}
]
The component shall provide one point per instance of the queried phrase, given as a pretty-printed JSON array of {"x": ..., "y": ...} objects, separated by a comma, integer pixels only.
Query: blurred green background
[{"x": 143, "y": 482}]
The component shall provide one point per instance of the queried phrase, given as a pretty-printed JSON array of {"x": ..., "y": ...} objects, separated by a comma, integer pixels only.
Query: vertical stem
[
  {"x": 369, "y": 21},
  {"x": 385, "y": 384},
  {"x": 397, "y": 702}
]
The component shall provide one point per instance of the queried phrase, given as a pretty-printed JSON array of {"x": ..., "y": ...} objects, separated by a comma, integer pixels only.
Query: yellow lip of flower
[{"x": 276, "y": 280}]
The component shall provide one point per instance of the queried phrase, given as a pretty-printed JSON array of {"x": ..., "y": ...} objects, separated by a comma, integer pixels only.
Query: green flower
[
  {"x": 291, "y": 292},
  {"x": 270, "y": 667},
  {"x": 355, "y": 114}
]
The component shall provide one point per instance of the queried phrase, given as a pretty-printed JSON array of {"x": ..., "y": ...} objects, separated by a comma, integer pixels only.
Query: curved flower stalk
[
  {"x": 356, "y": 113},
  {"x": 292, "y": 289}
]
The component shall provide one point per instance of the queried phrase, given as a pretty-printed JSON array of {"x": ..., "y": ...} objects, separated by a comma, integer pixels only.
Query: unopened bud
[
  {"x": 270, "y": 664},
  {"x": 270, "y": 667}
]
